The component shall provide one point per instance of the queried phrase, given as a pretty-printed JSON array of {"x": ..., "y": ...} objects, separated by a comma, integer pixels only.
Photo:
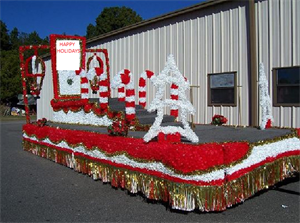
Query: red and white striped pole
[
  {"x": 174, "y": 96},
  {"x": 142, "y": 86},
  {"x": 84, "y": 83},
  {"x": 123, "y": 80},
  {"x": 126, "y": 78},
  {"x": 103, "y": 88},
  {"x": 121, "y": 93}
]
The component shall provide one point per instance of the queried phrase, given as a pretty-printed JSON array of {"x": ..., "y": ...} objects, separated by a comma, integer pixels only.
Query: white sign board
[{"x": 68, "y": 54}]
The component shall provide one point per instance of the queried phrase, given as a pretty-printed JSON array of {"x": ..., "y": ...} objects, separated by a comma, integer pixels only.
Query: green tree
[
  {"x": 10, "y": 75},
  {"x": 91, "y": 31},
  {"x": 33, "y": 39},
  {"x": 112, "y": 18},
  {"x": 14, "y": 38},
  {"x": 5, "y": 45}
]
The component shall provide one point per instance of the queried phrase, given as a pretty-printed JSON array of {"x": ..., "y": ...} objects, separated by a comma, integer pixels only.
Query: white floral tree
[
  {"x": 264, "y": 98},
  {"x": 171, "y": 75}
]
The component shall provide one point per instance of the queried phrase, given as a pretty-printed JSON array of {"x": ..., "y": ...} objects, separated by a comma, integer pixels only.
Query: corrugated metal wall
[
  {"x": 210, "y": 40},
  {"x": 213, "y": 40},
  {"x": 278, "y": 41},
  {"x": 44, "y": 109}
]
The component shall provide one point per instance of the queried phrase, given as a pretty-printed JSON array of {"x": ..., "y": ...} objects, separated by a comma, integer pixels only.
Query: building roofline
[{"x": 157, "y": 19}]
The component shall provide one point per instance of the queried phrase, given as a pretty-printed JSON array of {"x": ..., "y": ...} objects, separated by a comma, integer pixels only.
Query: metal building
[{"x": 217, "y": 45}]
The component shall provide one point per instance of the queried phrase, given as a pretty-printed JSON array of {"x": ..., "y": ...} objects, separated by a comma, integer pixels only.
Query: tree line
[{"x": 10, "y": 76}]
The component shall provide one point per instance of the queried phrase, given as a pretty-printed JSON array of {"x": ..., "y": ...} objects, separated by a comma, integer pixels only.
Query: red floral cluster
[
  {"x": 34, "y": 89},
  {"x": 118, "y": 128},
  {"x": 219, "y": 120},
  {"x": 185, "y": 158},
  {"x": 41, "y": 122},
  {"x": 169, "y": 138},
  {"x": 268, "y": 124}
]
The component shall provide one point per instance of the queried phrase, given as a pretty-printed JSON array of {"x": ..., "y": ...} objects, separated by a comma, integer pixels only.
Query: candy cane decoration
[
  {"x": 174, "y": 96},
  {"x": 142, "y": 86},
  {"x": 102, "y": 80},
  {"x": 84, "y": 83},
  {"x": 103, "y": 89},
  {"x": 124, "y": 78},
  {"x": 121, "y": 92},
  {"x": 142, "y": 91}
]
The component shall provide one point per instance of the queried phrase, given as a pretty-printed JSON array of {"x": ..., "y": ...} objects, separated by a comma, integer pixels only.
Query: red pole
[{"x": 22, "y": 67}]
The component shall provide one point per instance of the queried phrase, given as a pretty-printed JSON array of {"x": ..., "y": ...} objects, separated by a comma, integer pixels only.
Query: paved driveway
[{"x": 34, "y": 189}]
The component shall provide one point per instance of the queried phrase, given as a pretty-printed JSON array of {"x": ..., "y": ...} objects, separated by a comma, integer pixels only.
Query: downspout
[{"x": 253, "y": 102}]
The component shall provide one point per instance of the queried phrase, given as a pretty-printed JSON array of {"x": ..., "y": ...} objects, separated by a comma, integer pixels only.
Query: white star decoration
[{"x": 171, "y": 75}]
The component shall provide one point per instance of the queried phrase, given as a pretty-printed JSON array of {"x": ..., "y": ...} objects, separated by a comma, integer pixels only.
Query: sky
[{"x": 72, "y": 17}]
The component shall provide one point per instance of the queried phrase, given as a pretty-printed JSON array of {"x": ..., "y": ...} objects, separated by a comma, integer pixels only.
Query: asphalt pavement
[{"x": 34, "y": 189}]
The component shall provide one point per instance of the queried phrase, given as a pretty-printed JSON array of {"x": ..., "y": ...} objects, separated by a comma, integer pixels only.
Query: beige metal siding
[
  {"x": 278, "y": 41},
  {"x": 209, "y": 40},
  {"x": 44, "y": 109},
  {"x": 206, "y": 41}
]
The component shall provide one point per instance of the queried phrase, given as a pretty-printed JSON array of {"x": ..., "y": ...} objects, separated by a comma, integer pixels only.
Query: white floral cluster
[
  {"x": 261, "y": 153},
  {"x": 71, "y": 88},
  {"x": 116, "y": 81},
  {"x": 171, "y": 75},
  {"x": 264, "y": 98},
  {"x": 81, "y": 118}
]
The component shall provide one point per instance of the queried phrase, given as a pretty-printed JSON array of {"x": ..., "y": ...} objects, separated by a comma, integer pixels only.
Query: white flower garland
[
  {"x": 264, "y": 98},
  {"x": 171, "y": 75},
  {"x": 258, "y": 154},
  {"x": 81, "y": 118},
  {"x": 261, "y": 153},
  {"x": 33, "y": 67}
]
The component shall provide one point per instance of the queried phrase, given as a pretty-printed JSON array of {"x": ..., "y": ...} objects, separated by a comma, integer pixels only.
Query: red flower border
[
  {"x": 53, "y": 39},
  {"x": 24, "y": 72},
  {"x": 182, "y": 158}
]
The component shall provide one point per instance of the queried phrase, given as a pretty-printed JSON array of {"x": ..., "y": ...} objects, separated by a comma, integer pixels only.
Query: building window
[
  {"x": 286, "y": 88},
  {"x": 222, "y": 89}
]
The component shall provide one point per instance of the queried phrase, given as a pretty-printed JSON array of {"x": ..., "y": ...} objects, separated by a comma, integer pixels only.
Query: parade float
[{"x": 208, "y": 167}]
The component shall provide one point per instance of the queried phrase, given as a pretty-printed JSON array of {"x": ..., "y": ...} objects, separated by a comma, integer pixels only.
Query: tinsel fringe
[{"x": 179, "y": 195}]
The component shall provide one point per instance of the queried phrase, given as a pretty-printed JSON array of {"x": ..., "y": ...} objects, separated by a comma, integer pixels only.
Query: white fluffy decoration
[
  {"x": 64, "y": 87},
  {"x": 261, "y": 153},
  {"x": 116, "y": 81},
  {"x": 171, "y": 75},
  {"x": 33, "y": 67},
  {"x": 264, "y": 98},
  {"x": 81, "y": 118}
]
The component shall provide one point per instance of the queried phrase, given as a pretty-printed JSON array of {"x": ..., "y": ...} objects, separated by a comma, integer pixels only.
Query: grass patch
[{"x": 16, "y": 118}]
